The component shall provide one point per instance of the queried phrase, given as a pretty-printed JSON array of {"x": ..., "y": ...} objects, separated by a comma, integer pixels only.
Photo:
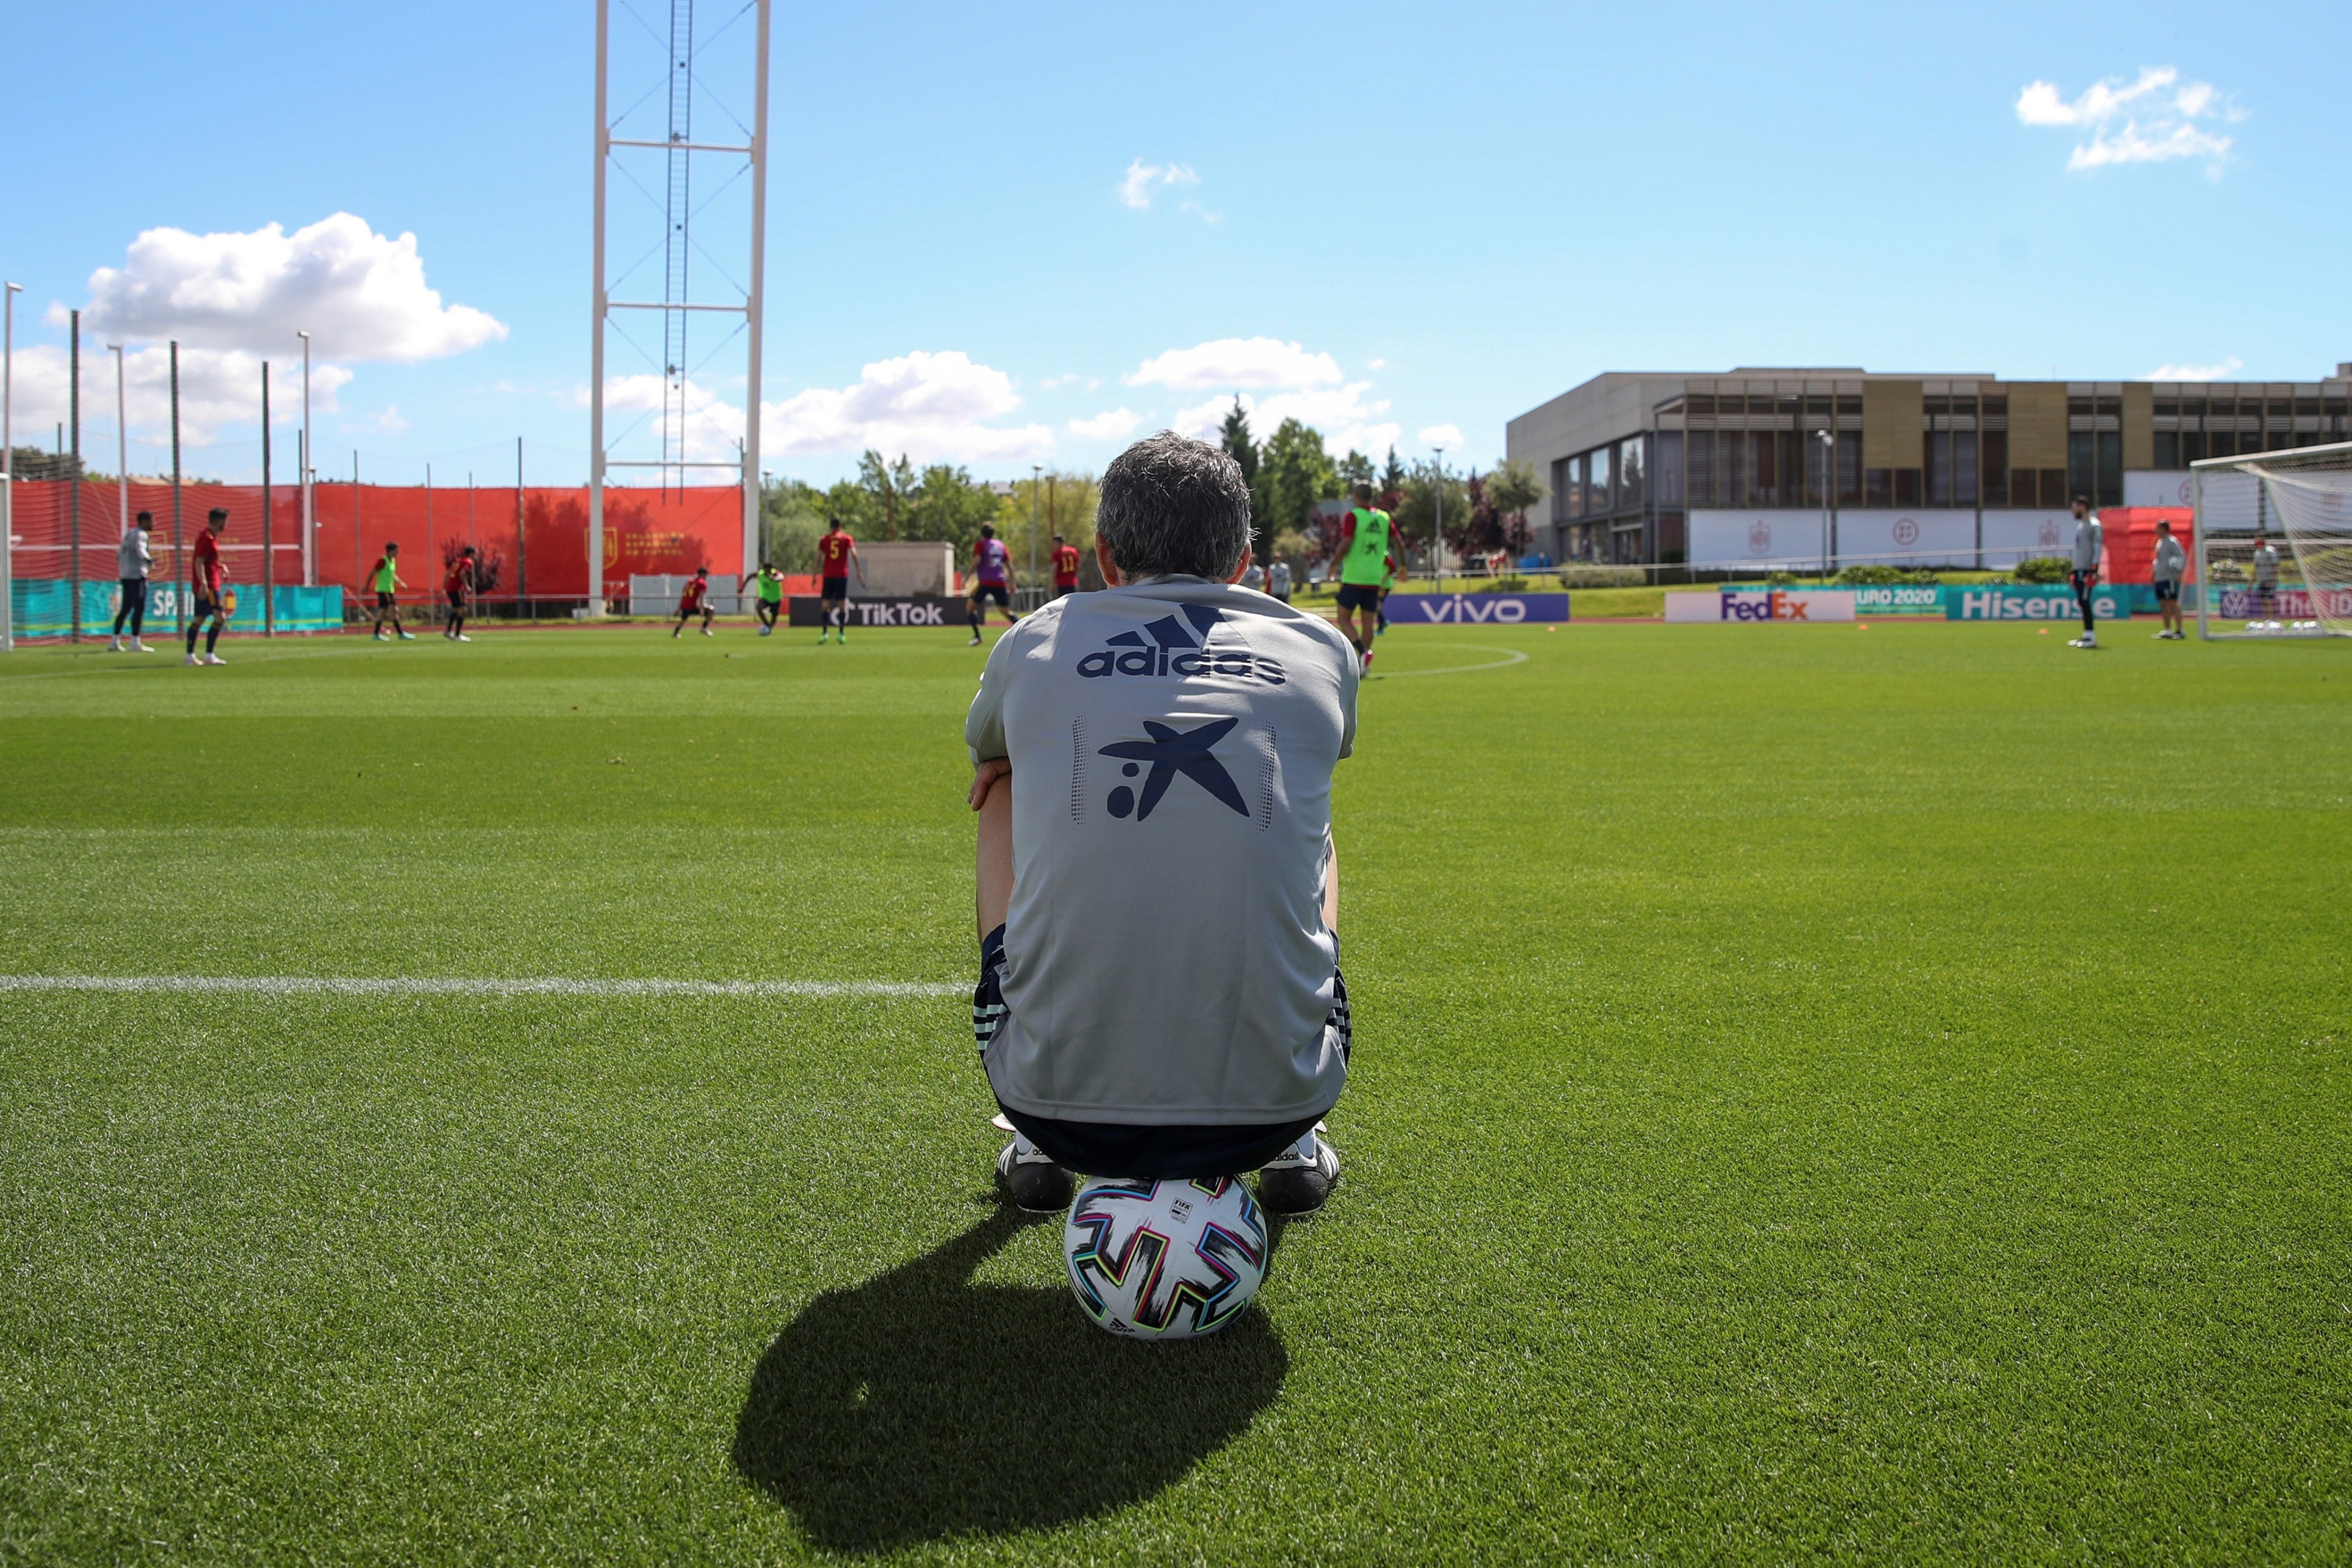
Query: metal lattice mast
[
  {"x": 677, "y": 216},
  {"x": 678, "y": 304}
]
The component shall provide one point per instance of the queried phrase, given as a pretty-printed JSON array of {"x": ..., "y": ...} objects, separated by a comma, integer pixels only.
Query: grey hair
[{"x": 1174, "y": 507}]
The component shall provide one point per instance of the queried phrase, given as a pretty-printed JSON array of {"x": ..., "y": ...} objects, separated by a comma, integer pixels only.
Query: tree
[
  {"x": 945, "y": 503},
  {"x": 1355, "y": 468},
  {"x": 888, "y": 484},
  {"x": 1233, "y": 435},
  {"x": 1294, "y": 473},
  {"x": 1065, "y": 505},
  {"x": 1392, "y": 482},
  {"x": 1416, "y": 508},
  {"x": 793, "y": 516}
]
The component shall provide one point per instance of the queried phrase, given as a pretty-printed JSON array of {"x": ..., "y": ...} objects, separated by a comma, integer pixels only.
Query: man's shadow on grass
[{"x": 920, "y": 1406}]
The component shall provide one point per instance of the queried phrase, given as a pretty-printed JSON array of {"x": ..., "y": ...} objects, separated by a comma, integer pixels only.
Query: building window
[
  {"x": 1670, "y": 468},
  {"x": 1850, "y": 465},
  {"x": 1994, "y": 444},
  {"x": 1699, "y": 467},
  {"x": 1559, "y": 488},
  {"x": 1596, "y": 481},
  {"x": 1878, "y": 486},
  {"x": 2168, "y": 449},
  {"x": 1629, "y": 473},
  {"x": 1571, "y": 489}
]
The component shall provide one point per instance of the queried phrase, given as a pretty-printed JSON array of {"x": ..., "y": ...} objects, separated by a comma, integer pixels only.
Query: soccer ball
[{"x": 1164, "y": 1260}]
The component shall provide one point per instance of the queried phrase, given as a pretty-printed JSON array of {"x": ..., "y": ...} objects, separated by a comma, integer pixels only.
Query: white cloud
[
  {"x": 1135, "y": 187},
  {"x": 1376, "y": 365},
  {"x": 388, "y": 422},
  {"x": 2221, "y": 371},
  {"x": 360, "y": 295},
  {"x": 1236, "y": 362},
  {"x": 713, "y": 425},
  {"x": 218, "y": 388},
  {"x": 2160, "y": 119},
  {"x": 1072, "y": 379},
  {"x": 1109, "y": 425},
  {"x": 1344, "y": 414},
  {"x": 929, "y": 406},
  {"x": 1445, "y": 435}
]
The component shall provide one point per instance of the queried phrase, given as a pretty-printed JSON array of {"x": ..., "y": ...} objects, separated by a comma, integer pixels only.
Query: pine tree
[{"x": 1234, "y": 437}]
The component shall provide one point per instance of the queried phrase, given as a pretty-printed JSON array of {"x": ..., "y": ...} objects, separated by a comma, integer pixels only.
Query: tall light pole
[
  {"x": 309, "y": 523},
  {"x": 1829, "y": 488},
  {"x": 8, "y": 467},
  {"x": 122, "y": 447},
  {"x": 1437, "y": 529}
]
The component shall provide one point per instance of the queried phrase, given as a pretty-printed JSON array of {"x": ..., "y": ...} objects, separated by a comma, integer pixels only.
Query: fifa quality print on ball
[{"x": 1165, "y": 1259}]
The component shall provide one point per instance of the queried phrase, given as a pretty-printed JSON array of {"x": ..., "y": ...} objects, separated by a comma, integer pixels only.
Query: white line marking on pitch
[
  {"x": 1510, "y": 656},
  {"x": 368, "y": 986}
]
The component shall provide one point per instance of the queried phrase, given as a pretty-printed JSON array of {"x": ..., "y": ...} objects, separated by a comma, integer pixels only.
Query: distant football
[{"x": 1164, "y": 1260}]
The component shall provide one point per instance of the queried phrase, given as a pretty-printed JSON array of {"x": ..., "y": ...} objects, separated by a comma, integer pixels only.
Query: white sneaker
[
  {"x": 191, "y": 659},
  {"x": 461, "y": 637},
  {"x": 706, "y": 631},
  {"x": 114, "y": 644},
  {"x": 214, "y": 659},
  {"x": 139, "y": 647},
  {"x": 2084, "y": 640}
]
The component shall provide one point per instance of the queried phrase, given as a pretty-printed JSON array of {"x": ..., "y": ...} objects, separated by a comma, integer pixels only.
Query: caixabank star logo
[
  {"x": 1166, "y": 650},
  {"x": 1171, "y": 752}
]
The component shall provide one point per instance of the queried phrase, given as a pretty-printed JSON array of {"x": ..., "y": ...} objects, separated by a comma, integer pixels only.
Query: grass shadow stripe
[{"x": 469, "y": 986}]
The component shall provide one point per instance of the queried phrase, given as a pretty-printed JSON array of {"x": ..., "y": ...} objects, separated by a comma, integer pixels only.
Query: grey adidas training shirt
[
  {"x": 1166, "y": 961},
  {"x": 2086, "y": 543},
  {"x": 2171, "y": 561},
  {"x": 131, "y": 555}
]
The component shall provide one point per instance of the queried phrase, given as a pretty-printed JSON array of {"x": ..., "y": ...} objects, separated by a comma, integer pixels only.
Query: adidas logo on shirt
[{"x": 1164, "y": 648}]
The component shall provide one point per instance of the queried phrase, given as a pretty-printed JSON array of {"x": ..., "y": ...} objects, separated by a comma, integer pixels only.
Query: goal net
[{"x": 2274, "y": 544}]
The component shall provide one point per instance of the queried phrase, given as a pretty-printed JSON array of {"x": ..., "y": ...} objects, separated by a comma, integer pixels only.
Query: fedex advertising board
[
  {"x": 1784, "y": 605},
  {"x": 1475, "y": 608}
]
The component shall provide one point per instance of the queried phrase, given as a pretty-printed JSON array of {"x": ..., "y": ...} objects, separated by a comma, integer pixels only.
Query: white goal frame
[{"x": 2197, "y": 563}]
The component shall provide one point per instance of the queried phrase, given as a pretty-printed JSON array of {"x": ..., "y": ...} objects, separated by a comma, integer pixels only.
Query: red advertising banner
[{"x": 531, "y": 541}]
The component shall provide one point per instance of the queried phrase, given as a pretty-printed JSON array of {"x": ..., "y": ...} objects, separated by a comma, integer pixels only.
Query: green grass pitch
[{"x": 1821, "y": 1091}]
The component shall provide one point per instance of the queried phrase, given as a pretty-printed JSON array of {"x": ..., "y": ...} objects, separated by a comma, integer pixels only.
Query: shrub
[
  {"x": 2043, "y": 569},
  {"x": 1885, "y": 577}
]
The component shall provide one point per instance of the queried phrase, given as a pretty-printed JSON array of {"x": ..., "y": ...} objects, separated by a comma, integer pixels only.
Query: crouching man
[{"x": 1160, "y": 992}]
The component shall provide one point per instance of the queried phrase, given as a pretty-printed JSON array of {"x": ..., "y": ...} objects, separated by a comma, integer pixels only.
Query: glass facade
[{"x": 1755, "y": 441}]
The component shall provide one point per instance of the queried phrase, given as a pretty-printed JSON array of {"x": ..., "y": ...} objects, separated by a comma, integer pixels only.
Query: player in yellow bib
[{"x": 1366, "y": 542}]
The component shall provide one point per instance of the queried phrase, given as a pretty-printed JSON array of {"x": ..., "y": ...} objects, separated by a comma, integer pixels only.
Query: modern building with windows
[{"x": 1763, "y": 468}]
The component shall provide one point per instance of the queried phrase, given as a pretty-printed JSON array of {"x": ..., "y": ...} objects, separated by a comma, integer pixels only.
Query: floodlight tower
[{"x": 682, "y": 85}]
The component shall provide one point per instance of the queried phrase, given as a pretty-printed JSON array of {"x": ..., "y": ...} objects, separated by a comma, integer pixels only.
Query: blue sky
[{"x": 1389, "y": 220}]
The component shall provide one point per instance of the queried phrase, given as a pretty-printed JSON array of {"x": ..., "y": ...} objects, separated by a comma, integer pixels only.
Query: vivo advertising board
[
  {"x": 1757, "y": 605},
  {"x": 1475, "y": 608}
]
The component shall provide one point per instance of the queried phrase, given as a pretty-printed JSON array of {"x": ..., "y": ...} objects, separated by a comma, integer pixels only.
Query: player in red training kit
[
  {"x": 206, "y": 578},
  {"x": 456, "y": 588},
  {"x": 694, "y": 601},
  {"x": 1066, "y": 567},
  {"x": 836, "y": 553}
]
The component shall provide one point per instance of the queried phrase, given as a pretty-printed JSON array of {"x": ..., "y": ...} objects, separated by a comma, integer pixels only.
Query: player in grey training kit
[
  {"x": 132, "y": 559},
  {"x": 2086, "y": 575},
  {"x": 1160, "y": 993},
  {"x": 2171, "y": 564},
  {"x": 2265, "y": 577}
]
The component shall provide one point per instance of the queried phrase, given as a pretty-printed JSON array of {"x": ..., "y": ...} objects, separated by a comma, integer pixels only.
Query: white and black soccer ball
[{"x": 1164, "y": 1260}]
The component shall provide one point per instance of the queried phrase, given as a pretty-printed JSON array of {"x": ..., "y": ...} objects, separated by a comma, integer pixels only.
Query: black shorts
[
  {"x": 1360, "y": 596},
  {"x": 836, "y": 588},
  {"x": 983, "y": 593},
  {"x": 205, "y": 603},
  {"x": 2167, "y": 592},
  {"x": 1175, "y": 1151},
  {"x": 386, "y": 601},
  {"x": 771, "y": 607},
  {"x": 1061, "y": 588},
  {"x": 456, "y": 596}
]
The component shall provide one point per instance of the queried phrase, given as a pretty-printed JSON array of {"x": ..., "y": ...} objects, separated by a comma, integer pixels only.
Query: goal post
[{"x": 2272, "y": 543}]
